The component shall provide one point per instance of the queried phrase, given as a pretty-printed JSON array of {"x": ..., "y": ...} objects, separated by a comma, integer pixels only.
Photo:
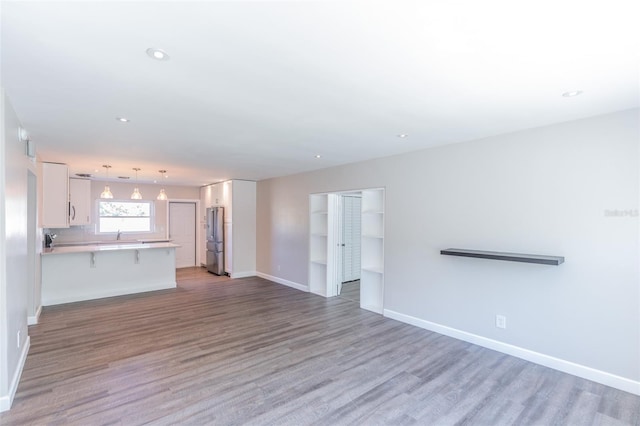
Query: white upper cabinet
[
  {"x": 205, "y": 196},
  {"x": 212, "y": 196},
  {"x": 55, "y": 196},
  {"x": 79, "y": 202},
  {"x": 227, "y": 199}
]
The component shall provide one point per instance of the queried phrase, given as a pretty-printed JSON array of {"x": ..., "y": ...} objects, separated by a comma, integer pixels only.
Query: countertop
[
  {"x": 101, "y": 242},
  {"x": 106, "y": 247}
]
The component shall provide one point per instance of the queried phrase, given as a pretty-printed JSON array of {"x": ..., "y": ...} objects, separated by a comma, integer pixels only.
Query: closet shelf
[{"x": 512, "y": 257}]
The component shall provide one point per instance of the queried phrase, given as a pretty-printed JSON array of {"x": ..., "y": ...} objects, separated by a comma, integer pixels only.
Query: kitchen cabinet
[
  {"x": 238, "y": 198},
  {"x": 55, "y": 196},
  {"x": 226, "y": 194},
  {"x": 211, "y": 196},
  {"x": 79, "y": 202}
]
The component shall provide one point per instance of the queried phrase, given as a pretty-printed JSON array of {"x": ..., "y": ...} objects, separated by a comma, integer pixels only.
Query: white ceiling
[{"x": 256, "y": 89}]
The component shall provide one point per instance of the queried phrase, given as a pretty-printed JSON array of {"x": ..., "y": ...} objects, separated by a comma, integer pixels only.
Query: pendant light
[
  {"x": 136, "y": 192},
  {"x": 107, "y": 192},
  {"x": 162, "y": 195}
]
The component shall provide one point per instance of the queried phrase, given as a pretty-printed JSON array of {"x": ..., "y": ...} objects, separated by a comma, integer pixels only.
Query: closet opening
[{"x": 346, "y": 246}]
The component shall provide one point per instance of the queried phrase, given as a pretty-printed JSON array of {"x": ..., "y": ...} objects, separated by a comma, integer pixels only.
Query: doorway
[
  {"x": 349, "y": 284},
  {"x": 182, "y": 231},
  {"x": 327, "y": 245}
]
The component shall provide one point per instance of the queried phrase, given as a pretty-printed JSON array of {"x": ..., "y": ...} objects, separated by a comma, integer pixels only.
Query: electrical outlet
[
  {"x": 18, "y": 335},
  {"x": 501, "y": 321}
]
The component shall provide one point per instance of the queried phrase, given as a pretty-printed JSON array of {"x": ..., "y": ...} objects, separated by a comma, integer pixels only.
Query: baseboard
[
  {"x": 569, "y": 367},
  {"x": 373, "y": 308},
  {"x": 283, "y": 282},
  {"x": 109, "y": 293},
  {"x": 7, "y": 400},
  {"x": 244, "y": 274},
  {"x": 34, "y": 319}
]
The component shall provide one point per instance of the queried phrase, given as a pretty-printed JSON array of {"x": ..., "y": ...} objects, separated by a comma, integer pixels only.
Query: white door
[
  {"x": 182, "y": 231},
  {"x": 351, "y": 210}
]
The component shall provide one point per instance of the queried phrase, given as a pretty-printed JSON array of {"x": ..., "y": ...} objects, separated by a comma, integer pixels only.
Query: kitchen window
[{"x": 124, "y": 216}]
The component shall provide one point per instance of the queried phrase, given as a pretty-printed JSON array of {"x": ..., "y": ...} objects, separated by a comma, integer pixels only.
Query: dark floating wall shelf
[{"x": 498, "y": 255}]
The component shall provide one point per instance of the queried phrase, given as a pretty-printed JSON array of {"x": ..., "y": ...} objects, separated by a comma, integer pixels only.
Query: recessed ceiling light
[
  {"x": 572, "y": 93},
  {"x": 157, "y": 54},
  {"x": 122, "y": 119},
  {"x": 402, "y": 135},
  {"x": 318, "y": 156}
]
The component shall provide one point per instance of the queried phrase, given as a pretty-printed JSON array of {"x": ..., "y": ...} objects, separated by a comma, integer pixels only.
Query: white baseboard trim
[
  {"x": 244, "y": 274},
  {"x": 284, "y": 282},
  {"x": 579, "y": 370},
  {"x": 373, "y": 308},
  {"x": 108, "y": 293},
  {"x": 34, "y": 319},
  {"x": 7, "y": 400}
]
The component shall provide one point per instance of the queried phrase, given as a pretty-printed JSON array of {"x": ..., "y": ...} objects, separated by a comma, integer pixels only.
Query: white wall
[
  {"x": 244, "y": 228},
  {"x": 13, "y": 253},
  {"x": 547, "y": 190}
]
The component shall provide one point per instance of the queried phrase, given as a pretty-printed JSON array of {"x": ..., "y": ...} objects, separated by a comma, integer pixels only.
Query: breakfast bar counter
[
  {"x": 84, "y": 272},
  {"x": 88, "y": 248}
]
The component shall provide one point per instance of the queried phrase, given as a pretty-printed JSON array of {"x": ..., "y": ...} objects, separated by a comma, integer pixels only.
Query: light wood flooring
[{"x": 248, "y": 351}]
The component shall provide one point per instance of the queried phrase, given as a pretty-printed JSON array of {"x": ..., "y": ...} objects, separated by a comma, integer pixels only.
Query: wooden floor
[
  {"x": 351, "y": 291},
  {"x": 248, "y": 351}
]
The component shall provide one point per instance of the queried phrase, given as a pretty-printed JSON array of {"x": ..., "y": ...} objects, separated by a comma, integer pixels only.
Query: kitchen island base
[{"x": 73, "y": 276}]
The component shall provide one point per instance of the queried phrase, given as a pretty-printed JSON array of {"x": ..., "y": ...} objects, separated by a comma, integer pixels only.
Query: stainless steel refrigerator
[{"x": 215, "y": 240}]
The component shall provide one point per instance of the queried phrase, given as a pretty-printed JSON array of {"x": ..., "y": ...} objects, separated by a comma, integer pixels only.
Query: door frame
[
  {"x": 198, "y": 241},
  {"x": 324, "y": 253},
  {"x": 344, "y": 242},
  {"x": 335, "y": 239}
]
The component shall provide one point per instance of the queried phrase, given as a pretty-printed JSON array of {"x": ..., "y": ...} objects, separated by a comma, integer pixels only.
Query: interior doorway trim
[
  {"x": 325, "y": 260},
  {"x": 198, "y": 237}
]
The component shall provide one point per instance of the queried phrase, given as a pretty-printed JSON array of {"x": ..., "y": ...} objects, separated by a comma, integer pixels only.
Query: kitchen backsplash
[{"x": 88, "y": 233}]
